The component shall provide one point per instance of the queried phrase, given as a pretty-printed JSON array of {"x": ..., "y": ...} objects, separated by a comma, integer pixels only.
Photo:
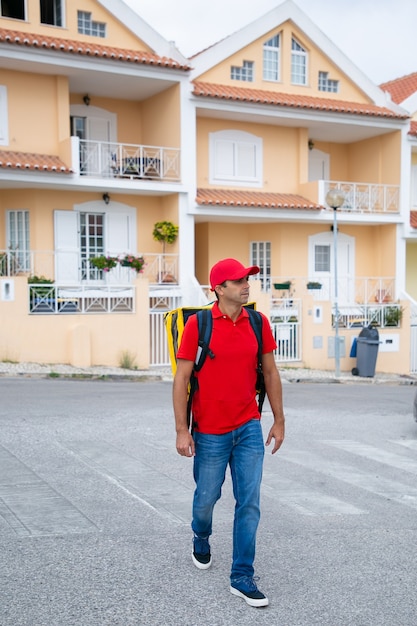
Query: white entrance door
[
  {"x": 318, "y": 165},
  {"x": 321, "y": 265},
  {"x": 97, "y": 130}
]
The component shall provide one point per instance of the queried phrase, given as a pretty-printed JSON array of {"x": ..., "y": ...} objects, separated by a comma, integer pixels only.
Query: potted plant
[
  {"x": 392, "y": 315},
  {"x": 165, "y": 232},
  {"x": 312, "y": 284},
  {"x": 103, "y": 262},
  {"x": 285, "y": 285},
  {"x": 136, "y": 263}
]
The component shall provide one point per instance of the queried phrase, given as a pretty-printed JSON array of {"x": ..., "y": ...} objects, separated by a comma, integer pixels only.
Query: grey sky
[{"x": 379, "y": 36}]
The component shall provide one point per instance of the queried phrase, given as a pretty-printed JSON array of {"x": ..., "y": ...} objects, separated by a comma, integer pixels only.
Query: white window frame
[
  {"x": 298, "y": 77},
  {"x": 25, "y": 10},
  {"x": 327, "y": 84},
  {"x": 18, "y": 237},
  {"x": 260, "y": 254},
  {"x": 272, "y": 59},
  {"x": 244, "y": 72},
  {"x": 87, "y": 26},
  {"x": 59, "y": 8},
  {"x": 229, "y": 144},
  {"x": 4, "y": 117}
]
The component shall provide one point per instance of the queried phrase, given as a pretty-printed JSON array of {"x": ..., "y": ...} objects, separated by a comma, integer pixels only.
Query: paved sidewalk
[{"x": 288, "y": 374}]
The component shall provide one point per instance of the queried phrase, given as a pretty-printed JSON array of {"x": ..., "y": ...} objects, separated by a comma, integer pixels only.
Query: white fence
[
  {"x": 288, "y": 339},
  {"x": 158, "y": 306}
]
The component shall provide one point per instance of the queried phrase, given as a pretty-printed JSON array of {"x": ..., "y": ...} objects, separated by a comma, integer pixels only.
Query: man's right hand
[{"x": 185, "y": 444}]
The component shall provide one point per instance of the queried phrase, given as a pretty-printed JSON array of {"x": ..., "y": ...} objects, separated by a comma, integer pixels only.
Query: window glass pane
[
  {"x": 51, "y": 12},
  {"x": 91, "y": 243},
  {"x": 13, "y": 8},
  {"x": 298, "y": 64},
  {"x": 261, "y": 256},
  {"x": 78, "y": 127},
  {"x": 244, "y": 73},
  {"x": 18, "y": 239},
  {"x": 326, "y": 84},
  {"x": 322, "y": 258},
  {"x": 271, "y": 59},
  {"x": 86, "y": 26}
]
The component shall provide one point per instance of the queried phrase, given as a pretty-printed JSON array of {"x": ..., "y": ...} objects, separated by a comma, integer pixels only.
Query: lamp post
[{"x": 335, "y": 198}]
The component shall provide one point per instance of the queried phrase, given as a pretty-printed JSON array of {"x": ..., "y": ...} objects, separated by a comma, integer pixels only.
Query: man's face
[{"x": 236, "y": 291}]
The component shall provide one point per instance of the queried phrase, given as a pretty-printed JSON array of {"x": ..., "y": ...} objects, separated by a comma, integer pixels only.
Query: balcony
[
  {"x": 351, "y": 291},
  {"x": 159, "y": 269},
  {"x": 363, "y": 197},
  {"x": 103, "y": 159},
  {"x": 98, "y": 291}
]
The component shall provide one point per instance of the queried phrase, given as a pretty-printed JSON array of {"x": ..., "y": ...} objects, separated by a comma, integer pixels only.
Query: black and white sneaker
[
  {"x": 201, "y": 554},
  {"x": 245, "y": 587}
]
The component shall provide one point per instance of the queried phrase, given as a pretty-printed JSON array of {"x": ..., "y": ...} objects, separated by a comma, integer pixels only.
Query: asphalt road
[{"x": 95, "y": 510}]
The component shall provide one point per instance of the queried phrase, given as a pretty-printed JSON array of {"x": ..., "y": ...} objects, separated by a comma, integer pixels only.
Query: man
[{"x": 226, "y": 421}]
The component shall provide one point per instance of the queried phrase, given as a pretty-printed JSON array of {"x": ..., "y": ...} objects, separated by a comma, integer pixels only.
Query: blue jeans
[{"x": 243, "y": 449}]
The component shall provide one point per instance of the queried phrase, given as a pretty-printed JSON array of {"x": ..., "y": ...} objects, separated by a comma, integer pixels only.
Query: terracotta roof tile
[
  {"x": 413, "y": 219},
  {"x": 242, "y": 94},
  {"x": 30, "y": 161},
  {"x": 401, "y": 88},
  {"x": 413, "y": 128},
  {"x": 258, "y": 199},
  {"x": 87, "y": 48}
]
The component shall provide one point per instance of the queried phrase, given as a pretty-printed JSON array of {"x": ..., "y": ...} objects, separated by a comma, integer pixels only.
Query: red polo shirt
[{"x": 226, "y": 396}]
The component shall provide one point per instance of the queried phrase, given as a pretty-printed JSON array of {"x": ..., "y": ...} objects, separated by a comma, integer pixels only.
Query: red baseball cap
[{"x": 230, "y": 269}]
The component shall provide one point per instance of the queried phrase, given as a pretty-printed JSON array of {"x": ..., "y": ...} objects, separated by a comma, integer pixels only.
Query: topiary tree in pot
[{"x": 165, "y": 232}]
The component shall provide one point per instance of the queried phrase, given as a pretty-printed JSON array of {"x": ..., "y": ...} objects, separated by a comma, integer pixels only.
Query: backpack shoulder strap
[
  {"x": 205, "y": 327},
  {"x": 256, "y": 322}
]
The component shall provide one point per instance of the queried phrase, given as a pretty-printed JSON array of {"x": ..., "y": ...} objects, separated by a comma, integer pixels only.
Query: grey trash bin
[{"x": 366, "y": 352}]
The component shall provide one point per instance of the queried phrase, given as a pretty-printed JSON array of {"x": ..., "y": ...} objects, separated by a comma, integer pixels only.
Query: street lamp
[{"x": 335, "y": 198}]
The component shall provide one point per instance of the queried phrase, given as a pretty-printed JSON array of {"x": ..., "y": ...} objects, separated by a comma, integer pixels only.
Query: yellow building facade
[{"x": 108, "y": 130}]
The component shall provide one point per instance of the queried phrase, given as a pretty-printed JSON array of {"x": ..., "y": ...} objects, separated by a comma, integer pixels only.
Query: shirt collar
[{"x": 217, "y": 313}]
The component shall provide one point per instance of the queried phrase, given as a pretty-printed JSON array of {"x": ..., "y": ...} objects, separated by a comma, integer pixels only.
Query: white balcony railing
[
  {"x": 363, "y": 197},
  {"x": 121, "y": 160},
  {"x": 47, "y": 299},
  {"x": 351, "y": 291},
  {"x": 159, "y": 268}
]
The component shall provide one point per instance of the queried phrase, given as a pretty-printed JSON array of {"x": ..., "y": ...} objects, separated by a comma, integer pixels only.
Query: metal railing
[
  {"x": 14, "y": 262},
  {"x": 285, "y": 316},
  {"x": 51, "y": 299},
  {"x": 160, "y": 269},
  {"x": 363, "y": 197},
  {"x": 381, "y": 315},
  {"x": 357, "y": 290},
  {"x": 121, "y": 160}
]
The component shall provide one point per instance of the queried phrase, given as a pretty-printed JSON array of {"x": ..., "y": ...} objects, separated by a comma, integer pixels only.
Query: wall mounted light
[
  {"x": 310, "y": 144},
  {"x": 87, "y": 100},
  {"x": 106, "y": 198}
]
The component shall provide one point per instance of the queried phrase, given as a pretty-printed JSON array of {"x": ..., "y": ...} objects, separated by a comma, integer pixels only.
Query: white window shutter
[
  {"x": 118, "y": 234},
  {"x": 246, "y": 160},
  {"x": 67, "y": 250},
  {"x": 224, "y": 159}
]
